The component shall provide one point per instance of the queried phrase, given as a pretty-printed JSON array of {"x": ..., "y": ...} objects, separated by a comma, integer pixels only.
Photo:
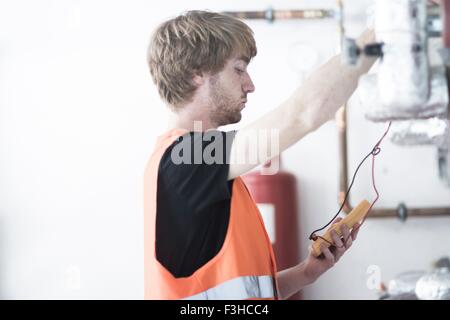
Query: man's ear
[{"x": 198, "y": 78}]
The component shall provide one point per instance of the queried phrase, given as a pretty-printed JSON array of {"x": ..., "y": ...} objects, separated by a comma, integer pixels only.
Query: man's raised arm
[{"x": 311, "y": 105}]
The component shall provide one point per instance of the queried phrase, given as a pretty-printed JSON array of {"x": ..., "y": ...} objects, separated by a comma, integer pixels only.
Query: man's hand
[
  {"x": 293, "y": 279},
  {"x": 316, "y": 266}
]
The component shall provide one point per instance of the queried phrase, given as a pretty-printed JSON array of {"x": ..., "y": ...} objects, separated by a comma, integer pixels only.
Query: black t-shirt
[{"x": 193, "y": 200}]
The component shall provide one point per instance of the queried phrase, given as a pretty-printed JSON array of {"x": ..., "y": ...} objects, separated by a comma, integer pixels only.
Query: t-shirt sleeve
[{"x": 195, "y": 168}]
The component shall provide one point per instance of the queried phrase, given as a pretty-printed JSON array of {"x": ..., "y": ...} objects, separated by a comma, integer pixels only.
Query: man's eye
[{"x": 239, "y": 70}]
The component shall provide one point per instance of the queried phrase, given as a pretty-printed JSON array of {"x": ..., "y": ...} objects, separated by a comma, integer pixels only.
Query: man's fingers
[
  {"x": 346, "y": 235},
  {"x": 336, "y": 240},
  {"x": 355, "y": 231},
  {"x": 327, "y": 254}
]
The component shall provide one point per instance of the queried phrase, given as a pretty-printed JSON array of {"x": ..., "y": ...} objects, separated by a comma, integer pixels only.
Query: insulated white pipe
[{"x": 403, "y": 76}]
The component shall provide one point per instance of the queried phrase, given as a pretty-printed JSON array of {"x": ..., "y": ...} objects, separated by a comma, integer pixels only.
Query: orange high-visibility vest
[{"x": 245, "y": 266}]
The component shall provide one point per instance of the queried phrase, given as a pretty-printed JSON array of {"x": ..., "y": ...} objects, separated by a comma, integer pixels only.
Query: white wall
[{"x": 79, "y": 117}]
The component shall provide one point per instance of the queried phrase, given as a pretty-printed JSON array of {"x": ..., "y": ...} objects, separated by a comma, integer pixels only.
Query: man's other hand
[{"x": 316, "y": 266}]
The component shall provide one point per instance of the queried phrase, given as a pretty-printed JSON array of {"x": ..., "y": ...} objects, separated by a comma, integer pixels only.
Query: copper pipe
[
  {"x": 445, "y": 16},
  {"x": 409, "y": 212},
  {"x": 272, "y": 15},
  {"x": 402, "y": 211},
  {"x": 341, "y": 119}
]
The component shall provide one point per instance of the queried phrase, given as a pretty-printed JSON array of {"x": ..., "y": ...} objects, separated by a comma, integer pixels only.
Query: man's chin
[{"x": 237, "y": 117}]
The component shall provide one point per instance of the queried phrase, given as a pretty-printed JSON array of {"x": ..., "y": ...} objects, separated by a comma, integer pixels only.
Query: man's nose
[{"x": 248, "y": 86}]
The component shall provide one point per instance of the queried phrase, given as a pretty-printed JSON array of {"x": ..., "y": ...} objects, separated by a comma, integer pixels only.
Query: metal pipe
[
  {"x": 445, "y": 11},
  {"x": 272, "y": 15},
  {"x": 402, "y": 212},
  {"x": 341, "y": 119}
]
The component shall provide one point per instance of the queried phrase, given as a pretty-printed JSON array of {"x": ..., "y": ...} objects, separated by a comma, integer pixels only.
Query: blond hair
[{"x": 194, "y": 42}]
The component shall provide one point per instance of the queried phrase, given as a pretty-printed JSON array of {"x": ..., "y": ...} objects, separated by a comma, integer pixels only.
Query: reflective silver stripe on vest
[{"x": 239, "y": 289}]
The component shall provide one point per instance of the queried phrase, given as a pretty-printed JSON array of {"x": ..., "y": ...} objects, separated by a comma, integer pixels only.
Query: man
[{"x": 204, "y": 237}]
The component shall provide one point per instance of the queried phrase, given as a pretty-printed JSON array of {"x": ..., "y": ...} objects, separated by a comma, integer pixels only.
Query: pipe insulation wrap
[{"x": 403, "y": 74}]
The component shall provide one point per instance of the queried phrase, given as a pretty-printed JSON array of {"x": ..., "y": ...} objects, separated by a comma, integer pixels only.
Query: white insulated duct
[
  {"x": 403, "y": 75},
  {"x": 432, "y": 131},
  {"x": 435, "y": 105}
]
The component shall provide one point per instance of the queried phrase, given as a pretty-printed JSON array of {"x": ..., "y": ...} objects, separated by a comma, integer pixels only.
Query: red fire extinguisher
[{"x": 276, "y": 198}]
